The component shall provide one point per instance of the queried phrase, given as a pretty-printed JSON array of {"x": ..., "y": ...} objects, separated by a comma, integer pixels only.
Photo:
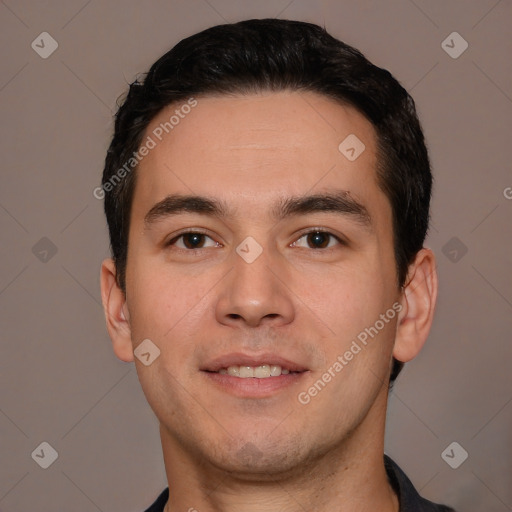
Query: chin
[
  {"x": 258, "y": 457},
  {"x": 250, "y": 464}
]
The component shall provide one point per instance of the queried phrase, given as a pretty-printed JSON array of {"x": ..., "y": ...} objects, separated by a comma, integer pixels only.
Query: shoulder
[
  {"x": 409, "y": 498},
  {"x": 159, "y": 504}
]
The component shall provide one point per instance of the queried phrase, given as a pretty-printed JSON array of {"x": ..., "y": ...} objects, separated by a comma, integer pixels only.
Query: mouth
[
  {"x": 257, "y": 377},
  {"x": 263, "y": 371}
]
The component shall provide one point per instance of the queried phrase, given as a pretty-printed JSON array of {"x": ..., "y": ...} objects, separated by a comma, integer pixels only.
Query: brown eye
[
  {"x": 317, "y": 240},
  {"x": 191, "y": 240}
]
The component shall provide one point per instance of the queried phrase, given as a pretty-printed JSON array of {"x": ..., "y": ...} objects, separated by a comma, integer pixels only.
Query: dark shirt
[{"x": 410, "y": 500}]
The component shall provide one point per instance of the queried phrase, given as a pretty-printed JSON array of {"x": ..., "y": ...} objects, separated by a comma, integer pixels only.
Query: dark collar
[{"x": 408, "y": 497}]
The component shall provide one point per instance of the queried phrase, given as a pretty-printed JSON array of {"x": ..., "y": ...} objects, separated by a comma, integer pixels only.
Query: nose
[{"x": 256, "y": 293}]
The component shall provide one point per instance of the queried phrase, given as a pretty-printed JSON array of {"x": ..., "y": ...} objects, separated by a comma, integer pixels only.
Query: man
[{"x": 267, "y": 193}]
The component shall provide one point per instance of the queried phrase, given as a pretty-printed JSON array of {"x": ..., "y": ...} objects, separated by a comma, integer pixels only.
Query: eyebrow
[{"x": 339, "y": 202}]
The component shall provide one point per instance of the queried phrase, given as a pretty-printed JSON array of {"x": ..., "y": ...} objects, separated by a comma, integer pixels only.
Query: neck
[{"x": 349, "y": 477}]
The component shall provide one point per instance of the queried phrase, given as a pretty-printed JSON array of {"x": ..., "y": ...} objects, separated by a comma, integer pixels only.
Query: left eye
[
  {"x": 191, "y": 240},
  {"x": 319, "y": 239}
]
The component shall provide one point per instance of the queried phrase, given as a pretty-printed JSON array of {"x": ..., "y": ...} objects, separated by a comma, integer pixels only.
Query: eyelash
[{"x": 173, "y": 241}]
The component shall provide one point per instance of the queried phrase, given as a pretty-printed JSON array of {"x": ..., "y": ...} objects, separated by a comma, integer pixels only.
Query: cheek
[
  {"x": 348, "y": 300},
  {"x": 167, "y": 308},
  {"x": 151, "y": 307},
  {"x": 357, "y": 306}
]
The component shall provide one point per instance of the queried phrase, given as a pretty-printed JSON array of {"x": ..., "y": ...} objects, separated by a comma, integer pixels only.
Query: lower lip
[{"x": 253, "y": 387}]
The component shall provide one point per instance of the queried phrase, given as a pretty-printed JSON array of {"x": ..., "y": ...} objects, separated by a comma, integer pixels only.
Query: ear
[
  {"x": 418, "y": 302},
  {"x": 116, "y": 312}
]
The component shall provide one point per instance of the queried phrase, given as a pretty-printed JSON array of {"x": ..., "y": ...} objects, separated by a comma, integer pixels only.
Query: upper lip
[{"x": 241, "y": 359}]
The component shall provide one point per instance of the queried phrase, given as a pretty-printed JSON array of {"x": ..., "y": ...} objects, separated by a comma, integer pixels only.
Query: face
[{"x": 285, "y": 260}]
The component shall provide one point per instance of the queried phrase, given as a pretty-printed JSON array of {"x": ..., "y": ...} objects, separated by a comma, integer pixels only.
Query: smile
[{"x": 263, "y": 371}]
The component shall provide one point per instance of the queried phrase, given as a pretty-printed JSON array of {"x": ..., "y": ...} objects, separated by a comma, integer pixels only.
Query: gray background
[{"x": 59, "y": 379}]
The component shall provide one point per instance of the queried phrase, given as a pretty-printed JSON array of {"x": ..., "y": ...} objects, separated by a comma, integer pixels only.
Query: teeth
[
  {"x": 246, "y": 371},
  {"x": 234, "y": 371},
  {"x": 275, "y": 371},
  {"x": 262, "y": 372},
  {"x": 259, "y": 372}
]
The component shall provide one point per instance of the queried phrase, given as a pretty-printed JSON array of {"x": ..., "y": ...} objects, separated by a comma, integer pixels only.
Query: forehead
[{"x": 252, "y": 149}]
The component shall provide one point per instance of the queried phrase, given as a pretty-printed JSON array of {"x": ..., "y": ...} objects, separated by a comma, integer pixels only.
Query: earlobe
[
  {"x": 418, "y": 300},
  {"x": 116, "y": 312}
]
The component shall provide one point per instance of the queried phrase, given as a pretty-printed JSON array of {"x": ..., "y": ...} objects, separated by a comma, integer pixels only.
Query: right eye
[{"x": 191, "y": 240}]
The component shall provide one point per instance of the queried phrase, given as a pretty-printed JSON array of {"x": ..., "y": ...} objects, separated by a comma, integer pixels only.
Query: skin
[{"x": 303, "y": 302}]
